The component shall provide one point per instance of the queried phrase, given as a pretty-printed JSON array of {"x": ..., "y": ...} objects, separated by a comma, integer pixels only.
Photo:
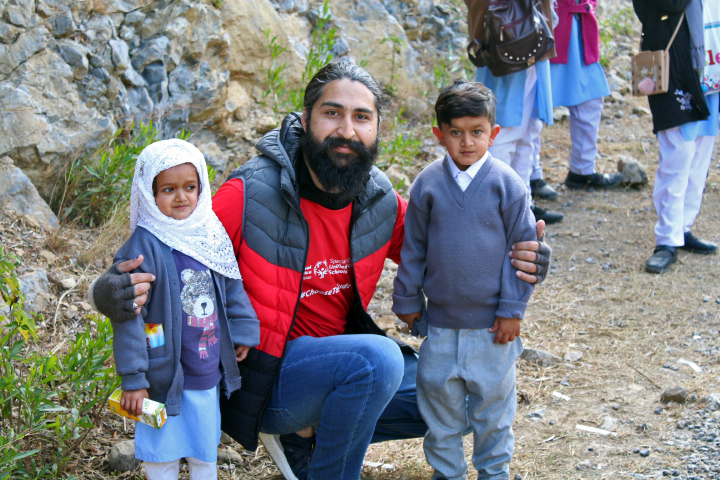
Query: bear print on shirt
[{"x": 198, "y": 303}]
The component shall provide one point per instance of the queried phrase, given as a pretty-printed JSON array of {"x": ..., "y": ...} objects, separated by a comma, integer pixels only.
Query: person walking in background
[
  {"x": 579, "y": 83},
  {"x": 685, "y": 122},
  {"x": 524, "y": 102}
]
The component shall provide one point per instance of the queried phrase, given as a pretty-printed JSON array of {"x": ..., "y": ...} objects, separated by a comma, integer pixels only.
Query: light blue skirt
[
  {"x": 575, "y": 82},
  {"x": 193, "y": 433},
  {"x": 707, "y": 127}
]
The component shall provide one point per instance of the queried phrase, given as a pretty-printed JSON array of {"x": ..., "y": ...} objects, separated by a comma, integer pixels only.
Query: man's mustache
[{"x": 357, "y": 147}]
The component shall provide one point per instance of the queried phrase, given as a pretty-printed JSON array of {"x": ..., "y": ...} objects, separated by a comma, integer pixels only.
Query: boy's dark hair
[
  {"x": 465, "y": 99},
  {"x": 337, "y": 71}
]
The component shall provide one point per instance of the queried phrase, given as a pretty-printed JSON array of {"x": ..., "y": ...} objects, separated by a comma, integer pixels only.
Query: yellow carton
[{"x": 153, "y": 412}]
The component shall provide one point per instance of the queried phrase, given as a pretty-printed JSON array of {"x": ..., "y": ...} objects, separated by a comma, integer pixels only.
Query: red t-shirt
[{"x": 327, "y": 291}]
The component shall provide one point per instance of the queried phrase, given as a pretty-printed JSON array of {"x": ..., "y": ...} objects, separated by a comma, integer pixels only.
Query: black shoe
[
  {"x": 663, "y": 256},
  {"x": 298, "y": 451},
  {"x": 291, "y": 453},
  {"x": 549, "y": 216},
  {"x": 594, "y": 180},
  {"x": 696, "y": 245},
  {"x": 540, "y": 189}
]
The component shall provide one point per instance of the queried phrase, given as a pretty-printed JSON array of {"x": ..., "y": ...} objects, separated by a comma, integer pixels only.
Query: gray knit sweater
[
  {"x": 456, "y": 247},
  {"x": 159, "y": 369}
]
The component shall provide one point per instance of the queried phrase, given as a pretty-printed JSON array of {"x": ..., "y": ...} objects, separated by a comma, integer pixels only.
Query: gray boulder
[
  {"x": 18, "y": 194},
  {"x": 122, "y": 457},
  {"x": 633, "y": 173},
  {"x": 34, "y": 286},
  {"x": 538, "y": 357}
]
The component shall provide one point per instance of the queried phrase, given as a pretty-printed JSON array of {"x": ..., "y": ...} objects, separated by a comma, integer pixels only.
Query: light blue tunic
[
  {"x": 510, "y": 90},
  {"x": 194, "y": 433},
  {"x": 574, "y": 82},
  {"x": 707, "y": 127}
]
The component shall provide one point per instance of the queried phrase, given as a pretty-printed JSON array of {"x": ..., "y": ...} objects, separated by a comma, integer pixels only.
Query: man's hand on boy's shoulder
[
  {"x": 409, "y": 318},
  {"x": 532, "y": 258},
  {"x": 507, "y": 329}
]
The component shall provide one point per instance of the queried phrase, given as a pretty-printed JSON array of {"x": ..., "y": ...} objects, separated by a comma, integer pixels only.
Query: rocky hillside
[{"x": 72, "y": 72}]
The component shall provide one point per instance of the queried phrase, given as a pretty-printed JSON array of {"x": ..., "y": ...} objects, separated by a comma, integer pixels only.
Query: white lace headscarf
[{"x": 201, "y": 235}]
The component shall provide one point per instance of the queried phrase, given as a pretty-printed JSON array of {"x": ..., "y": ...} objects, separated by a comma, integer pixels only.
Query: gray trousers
[
  {"x": 584, "y": 126},
  {"x": 459, "y": 363}
]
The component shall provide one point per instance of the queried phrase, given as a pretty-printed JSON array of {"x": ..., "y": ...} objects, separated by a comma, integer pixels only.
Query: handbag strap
[{"x": 676, "y": 30}]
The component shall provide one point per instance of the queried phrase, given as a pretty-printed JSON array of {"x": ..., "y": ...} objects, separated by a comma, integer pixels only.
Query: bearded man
[{"x": 312, "y": 221}]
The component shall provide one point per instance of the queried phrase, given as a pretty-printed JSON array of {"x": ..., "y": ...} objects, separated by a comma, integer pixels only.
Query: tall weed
[
  {"x": 319, "y": 54},
  {"x": 610, "y": 27},
  {"x": 94, "y": 187},
  {"x": 402, "y": 145},
  {"x": 49, "y": 402}
]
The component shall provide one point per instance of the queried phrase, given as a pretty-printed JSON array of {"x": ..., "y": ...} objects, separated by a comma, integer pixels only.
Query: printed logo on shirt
[
  {"x": 197, "y": 298},
  {"x": 333, "y": 291},
  {"x": 327, "y": 267}
]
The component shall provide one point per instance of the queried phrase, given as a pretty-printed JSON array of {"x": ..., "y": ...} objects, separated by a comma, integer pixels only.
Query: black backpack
[{"x": 515, "y": 36}]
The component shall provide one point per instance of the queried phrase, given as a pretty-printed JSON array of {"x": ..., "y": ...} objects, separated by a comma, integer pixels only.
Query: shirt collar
[{"x": 471, "y": 171}]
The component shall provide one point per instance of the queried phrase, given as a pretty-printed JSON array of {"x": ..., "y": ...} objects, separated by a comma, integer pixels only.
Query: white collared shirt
[{"x": 463, "y": 178}]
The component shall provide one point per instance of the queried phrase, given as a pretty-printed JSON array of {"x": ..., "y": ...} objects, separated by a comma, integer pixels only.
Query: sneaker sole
[{"x": 276, "y": 452}]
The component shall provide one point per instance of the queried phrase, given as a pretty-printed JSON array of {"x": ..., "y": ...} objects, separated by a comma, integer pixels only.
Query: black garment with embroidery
[{"x": 684, "y": 102}]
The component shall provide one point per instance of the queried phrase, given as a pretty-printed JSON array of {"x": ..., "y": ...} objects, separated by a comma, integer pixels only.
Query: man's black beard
[{"x": 346, "y": 174}]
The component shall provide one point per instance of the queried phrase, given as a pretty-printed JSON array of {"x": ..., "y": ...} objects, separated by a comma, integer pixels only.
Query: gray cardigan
[
  {"x": 456, "y": 247},
  {"x": 159, "y": 369}
]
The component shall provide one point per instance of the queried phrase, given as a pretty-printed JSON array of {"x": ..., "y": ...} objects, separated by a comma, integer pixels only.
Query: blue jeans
[{"x": 341, "y": 386}]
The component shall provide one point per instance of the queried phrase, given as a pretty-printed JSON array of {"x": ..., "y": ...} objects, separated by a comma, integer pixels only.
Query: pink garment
[{"x": 588, "y": 26}]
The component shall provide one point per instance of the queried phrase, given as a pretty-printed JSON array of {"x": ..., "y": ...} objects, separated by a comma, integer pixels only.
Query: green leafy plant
[
  {"x": 446, "y": 69},
  {"x": 397, "y": 44},
  {"x": 610, "y": 28},
  {"x": 319, "y": 55},
  {"x": 402, "y": 145},
  {"x": 275, "y": 80},
  {"x": 49, "y": 403},
  {"x": 94, "y": 187}
]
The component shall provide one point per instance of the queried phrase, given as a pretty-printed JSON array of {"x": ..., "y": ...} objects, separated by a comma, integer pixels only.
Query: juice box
[{"x": 153, "y": 412}]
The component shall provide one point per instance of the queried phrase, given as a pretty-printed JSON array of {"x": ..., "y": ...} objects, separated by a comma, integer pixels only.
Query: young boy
[{"x": 466, "y": 211}]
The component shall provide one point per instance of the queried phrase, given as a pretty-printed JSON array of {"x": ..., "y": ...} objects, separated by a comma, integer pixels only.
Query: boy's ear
[
  {"x": 493, "y": 133},
  {"x": 438, "y": 133}
]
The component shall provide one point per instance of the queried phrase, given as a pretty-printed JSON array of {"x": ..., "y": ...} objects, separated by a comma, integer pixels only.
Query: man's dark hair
[
  {"x": 337, "y": 71},
  {"x": 465, "y": 99}
]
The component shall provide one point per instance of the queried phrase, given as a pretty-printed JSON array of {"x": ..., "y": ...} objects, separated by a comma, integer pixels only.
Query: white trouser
[
  {"x": 679, "y": 184},
  {"x": 584, "y": 126},
  {"x": 516, "y": 145},
  {"x": 199, "y": 470}
]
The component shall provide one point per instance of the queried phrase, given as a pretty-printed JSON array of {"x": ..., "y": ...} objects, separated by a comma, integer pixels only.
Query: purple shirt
[{"x": 200, "y": 353}]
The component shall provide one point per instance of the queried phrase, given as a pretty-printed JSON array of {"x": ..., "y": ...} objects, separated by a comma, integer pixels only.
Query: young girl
[{"x": 197, "y": 321}]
